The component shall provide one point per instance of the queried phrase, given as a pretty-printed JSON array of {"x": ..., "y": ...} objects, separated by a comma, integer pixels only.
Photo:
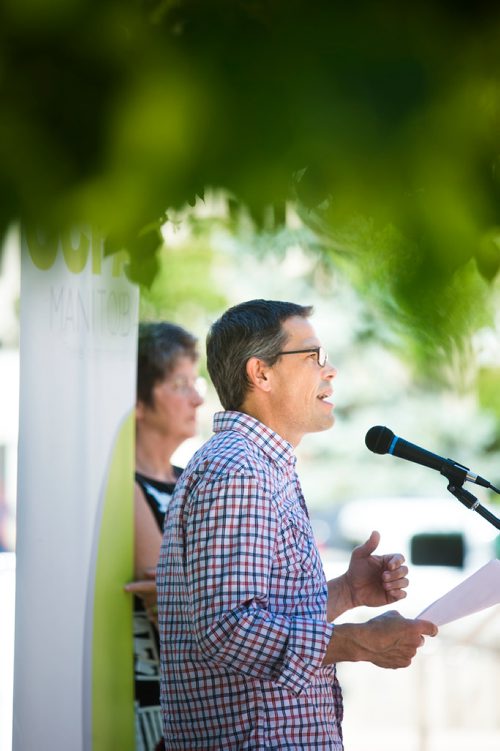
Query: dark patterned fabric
[{"x": 146, "y": 644}]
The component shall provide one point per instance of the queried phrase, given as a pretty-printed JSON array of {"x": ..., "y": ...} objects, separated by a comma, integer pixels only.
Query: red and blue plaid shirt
[{"x": 242, "y": 602}]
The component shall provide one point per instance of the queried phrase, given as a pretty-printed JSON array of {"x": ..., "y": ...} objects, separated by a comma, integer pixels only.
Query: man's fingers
[
  {"x": 395, "y": 575},
  {"x": 426, "y": 627},
  {"x": 394, "y": 561},
  {"x": 367, "y": 547},
  {"x": 396, "y": 594}
]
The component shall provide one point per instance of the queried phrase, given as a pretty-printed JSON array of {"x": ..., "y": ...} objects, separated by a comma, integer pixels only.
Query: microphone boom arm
[{"x": 470, "y": 501}]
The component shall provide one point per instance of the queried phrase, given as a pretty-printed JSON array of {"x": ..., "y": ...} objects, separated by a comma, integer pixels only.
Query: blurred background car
[{"x": 443, "y": 542}]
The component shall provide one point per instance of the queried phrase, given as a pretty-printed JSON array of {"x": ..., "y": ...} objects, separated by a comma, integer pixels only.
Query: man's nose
[{"x": 330, "y": 371}]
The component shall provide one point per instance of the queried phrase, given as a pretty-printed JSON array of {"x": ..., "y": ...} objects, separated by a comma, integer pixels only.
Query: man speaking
[{"x": 246, "y": 615}]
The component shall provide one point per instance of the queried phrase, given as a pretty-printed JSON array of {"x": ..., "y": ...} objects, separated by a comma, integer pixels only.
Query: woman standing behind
[{"x": 167, "y": 401}]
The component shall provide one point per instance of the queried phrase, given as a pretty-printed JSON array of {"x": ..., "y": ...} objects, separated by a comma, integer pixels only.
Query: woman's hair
[
  {"x": 251, "y": 329},
  {"x": 160, "y": 346}
]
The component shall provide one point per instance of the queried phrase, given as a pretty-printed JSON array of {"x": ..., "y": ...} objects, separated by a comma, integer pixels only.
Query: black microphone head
[{"x": 378, "y": 439}]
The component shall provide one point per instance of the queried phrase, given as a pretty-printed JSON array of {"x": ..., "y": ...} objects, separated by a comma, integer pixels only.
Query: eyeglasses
[
  {"x": 321, "y": 354},
  {"x": 186, "y": 386}
]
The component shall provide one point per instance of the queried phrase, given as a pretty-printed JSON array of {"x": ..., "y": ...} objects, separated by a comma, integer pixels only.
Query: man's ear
[{"x": 258, "y": 374}]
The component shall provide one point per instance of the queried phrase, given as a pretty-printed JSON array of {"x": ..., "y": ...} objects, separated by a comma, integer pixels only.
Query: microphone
[{"x": 381, "y": 440}]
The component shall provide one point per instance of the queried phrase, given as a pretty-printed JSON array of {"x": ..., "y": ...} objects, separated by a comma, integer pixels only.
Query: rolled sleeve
[{"x": 306, "y": 653}]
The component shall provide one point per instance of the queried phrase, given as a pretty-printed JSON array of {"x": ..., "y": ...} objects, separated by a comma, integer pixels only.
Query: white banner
[{"x": 73, "y": 685}]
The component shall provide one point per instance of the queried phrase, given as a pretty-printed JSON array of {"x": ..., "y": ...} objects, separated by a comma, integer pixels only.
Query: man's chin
[{"x": 325, "y": 424}]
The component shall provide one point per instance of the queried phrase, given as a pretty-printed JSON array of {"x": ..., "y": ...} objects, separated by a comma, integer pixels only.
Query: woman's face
[{"x": 175, "y": 402}]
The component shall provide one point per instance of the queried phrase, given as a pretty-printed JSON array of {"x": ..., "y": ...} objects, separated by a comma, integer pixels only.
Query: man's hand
[
  {"x": 375, "y": 580},
  {"x": 146, "y": 590},
  {"x": 389, "y": 641}
]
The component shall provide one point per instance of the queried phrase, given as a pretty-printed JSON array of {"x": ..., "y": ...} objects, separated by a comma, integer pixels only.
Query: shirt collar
[{"x": 270, "y": 442}]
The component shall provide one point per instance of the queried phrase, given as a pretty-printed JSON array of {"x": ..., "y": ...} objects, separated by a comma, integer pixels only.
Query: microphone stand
[{"x": 455, "y": 486}]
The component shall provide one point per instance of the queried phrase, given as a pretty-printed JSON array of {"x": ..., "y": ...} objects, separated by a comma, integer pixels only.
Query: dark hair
[
  {"x": 251, "y": 329},
  {"x": 160, "y": 346}
]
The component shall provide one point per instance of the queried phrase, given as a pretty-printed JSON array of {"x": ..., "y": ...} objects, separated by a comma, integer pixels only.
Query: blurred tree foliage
[
  {"x": 380, "y": 121},
  {"x": 186, "y": 289}
]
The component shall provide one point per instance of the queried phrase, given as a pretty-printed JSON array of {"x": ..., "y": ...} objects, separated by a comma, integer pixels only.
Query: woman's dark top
[{"x": 148, "y": 724}]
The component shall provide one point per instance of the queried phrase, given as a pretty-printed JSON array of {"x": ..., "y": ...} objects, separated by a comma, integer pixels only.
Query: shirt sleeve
[{"x": 231, "y": 533}]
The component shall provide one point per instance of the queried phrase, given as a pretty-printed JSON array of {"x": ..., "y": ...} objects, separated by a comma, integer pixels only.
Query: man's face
[{"x": 301, "y": 389}]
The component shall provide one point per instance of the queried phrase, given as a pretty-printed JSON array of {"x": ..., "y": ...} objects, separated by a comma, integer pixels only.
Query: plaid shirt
[{"x": 242, "y": 602}]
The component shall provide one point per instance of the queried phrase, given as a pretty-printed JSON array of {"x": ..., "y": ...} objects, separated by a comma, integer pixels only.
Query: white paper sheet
[{"x": 480, "y": 591}]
